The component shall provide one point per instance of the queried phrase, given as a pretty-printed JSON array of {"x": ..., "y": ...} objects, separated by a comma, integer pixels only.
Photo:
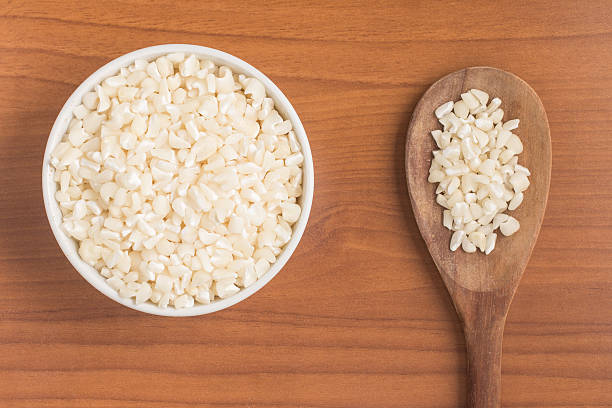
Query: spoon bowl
[{"x": 481, "y": 286}]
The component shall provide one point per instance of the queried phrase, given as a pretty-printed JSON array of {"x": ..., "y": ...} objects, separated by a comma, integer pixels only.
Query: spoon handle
[{"x": 484, "y": 350}]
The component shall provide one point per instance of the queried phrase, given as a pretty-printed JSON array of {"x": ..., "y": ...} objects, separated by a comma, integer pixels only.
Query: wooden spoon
[{"x": 481, "y": 286}]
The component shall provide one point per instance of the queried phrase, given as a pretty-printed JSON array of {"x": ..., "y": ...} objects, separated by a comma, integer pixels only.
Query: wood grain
[
  {"x": 481, "y": 286},
  {"x": 358, "y": 316}
]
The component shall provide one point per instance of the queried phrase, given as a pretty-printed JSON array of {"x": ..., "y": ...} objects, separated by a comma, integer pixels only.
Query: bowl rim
[{"x": 49, "y": 187}]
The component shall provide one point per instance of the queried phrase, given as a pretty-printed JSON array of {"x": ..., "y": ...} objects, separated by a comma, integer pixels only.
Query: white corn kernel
[
  {"x": 470, "y": 100},
  {"x": 516, "y": 201},
  {"x": 511, "y": 124},
  {"x": 456, "y": 240},
  {"x": 519, "y": 182},
  {"x": 490, "y": 244},
  {"x": 461, "y": 109},
  {"x": 444, "y": 109},
  {"x": 509, "y": 227},
  {"x": 468, "y": 246},
  {"x": 482, "y": 96}
]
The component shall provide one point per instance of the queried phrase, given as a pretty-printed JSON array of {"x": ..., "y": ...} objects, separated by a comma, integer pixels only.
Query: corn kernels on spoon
[{"x": 481, "y": 287}]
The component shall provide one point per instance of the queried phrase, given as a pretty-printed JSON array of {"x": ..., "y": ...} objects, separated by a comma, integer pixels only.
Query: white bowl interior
[{"x": 68, "y": 245}]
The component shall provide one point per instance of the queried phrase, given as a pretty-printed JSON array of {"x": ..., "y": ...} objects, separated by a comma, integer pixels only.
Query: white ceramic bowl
[{"x": 54, "y": 214}]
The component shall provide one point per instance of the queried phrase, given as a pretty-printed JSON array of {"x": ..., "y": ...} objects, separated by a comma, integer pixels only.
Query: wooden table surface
[{"x": 359, "y": 316}]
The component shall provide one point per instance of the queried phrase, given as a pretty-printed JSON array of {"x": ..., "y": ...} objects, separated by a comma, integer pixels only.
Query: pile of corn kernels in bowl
[
  {"x": 179, "y": 180},
  {"x": 477, "y": 171}
]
